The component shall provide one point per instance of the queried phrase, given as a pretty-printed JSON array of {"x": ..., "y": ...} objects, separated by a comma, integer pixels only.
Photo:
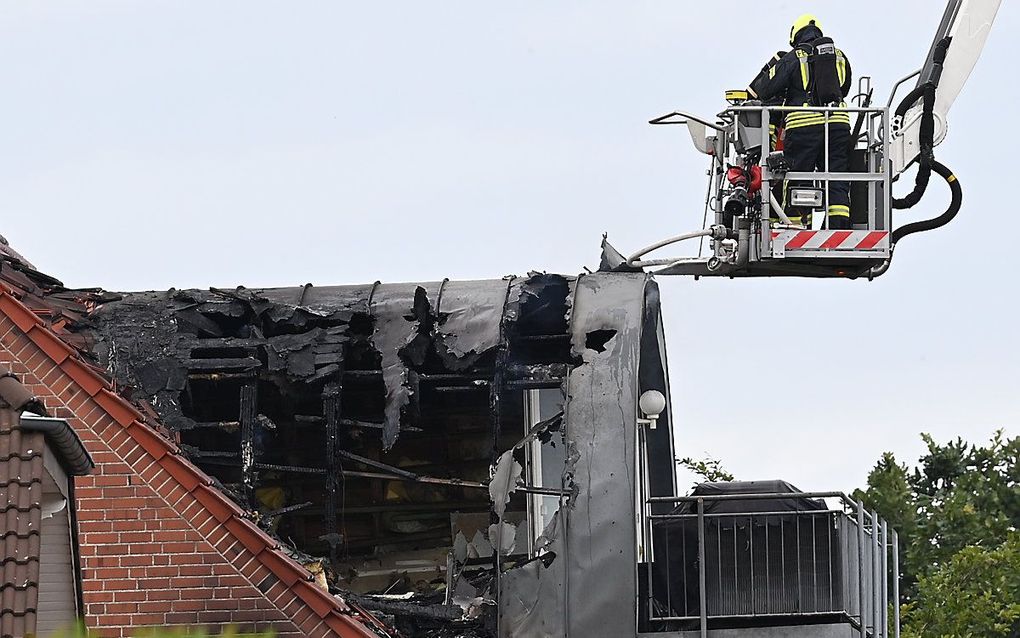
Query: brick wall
[{"x": 155, "y": 551}]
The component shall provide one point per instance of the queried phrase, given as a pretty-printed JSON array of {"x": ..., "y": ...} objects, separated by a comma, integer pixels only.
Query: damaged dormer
[{"x": 453, "y": 454}]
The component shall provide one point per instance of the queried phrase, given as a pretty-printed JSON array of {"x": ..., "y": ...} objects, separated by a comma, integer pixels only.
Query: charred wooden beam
[
  {"x": 289, "y": 509},
  {"x": 228, "y": 364},
  {"x": 447, "y": 613},
  {"x": 294, "y": 469},
  {"x": 354, "y": 423},
  {"x": 396, "y": 471},
  {"x": 249, "y": 446},
  {"x": 331, "y": 406}
]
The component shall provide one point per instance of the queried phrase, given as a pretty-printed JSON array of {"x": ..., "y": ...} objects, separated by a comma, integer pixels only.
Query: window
[{"x": 545, "y": 460}]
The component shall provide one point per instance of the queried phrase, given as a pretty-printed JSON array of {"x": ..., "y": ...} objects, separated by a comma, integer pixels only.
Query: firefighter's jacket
[{"x": 788, "y": 82}]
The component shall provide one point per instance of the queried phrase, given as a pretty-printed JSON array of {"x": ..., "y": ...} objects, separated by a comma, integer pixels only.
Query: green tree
[
  {"x": 957, "y": 510},
  {"x": 976, "y": 594},
  {"x": 711, "y": 470}
]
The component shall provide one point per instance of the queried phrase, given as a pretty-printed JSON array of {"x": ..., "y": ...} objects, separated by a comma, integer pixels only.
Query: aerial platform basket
[
  {"x": 745, "y": 230},
  {"x": 751, "y": 235}
]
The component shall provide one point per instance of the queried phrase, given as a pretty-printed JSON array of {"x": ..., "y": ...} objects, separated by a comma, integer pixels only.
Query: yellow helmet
[{"x": 806, "y": 20}]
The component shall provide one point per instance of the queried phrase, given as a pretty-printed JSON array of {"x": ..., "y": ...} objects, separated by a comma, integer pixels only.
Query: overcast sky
[{"x": 150, "y": 144}]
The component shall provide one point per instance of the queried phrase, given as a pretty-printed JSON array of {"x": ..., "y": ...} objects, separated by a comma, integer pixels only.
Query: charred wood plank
[
  {"x": 295, "y": 469},
  {"x": 446, "y": 613},
  {"x": 198, "y": 343},
  {"x": 240, "y": 363},
  {"x": 331, "y": 405},
  {"x": 379, "y": 465},
  {"x": 249, "y": 447},
  {"x": 229, "y": 426},
  {"x": 289, "y": 509},
  {"x": 354, "y": 423}
]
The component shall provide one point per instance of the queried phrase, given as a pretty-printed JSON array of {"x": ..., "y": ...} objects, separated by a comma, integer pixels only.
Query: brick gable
[{"x": 159, "y": 545}]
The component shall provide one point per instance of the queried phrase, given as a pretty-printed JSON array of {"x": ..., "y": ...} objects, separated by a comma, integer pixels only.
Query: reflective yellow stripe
[
  {"x": 772, "y": 72},
  {"x": 814, "y": 119},
  {"x": 804, "y": 77},
  {"x": 818, "y": 116},
  {"x": 839, "y": 211},
  {"x": 951, "y": 179},
  {"x": 799, "y": 221},
  {"x": 841, "y": 67}
]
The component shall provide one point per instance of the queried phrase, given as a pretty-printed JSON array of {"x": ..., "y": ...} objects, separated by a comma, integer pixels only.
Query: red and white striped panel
[{"x": 831, "y": 239}]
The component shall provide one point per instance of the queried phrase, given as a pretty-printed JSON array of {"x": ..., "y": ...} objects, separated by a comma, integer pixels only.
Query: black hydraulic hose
[
  {"x": 926, "y": 134},
  {"x": 928, "y": 224},
  {"x": 944, "y": 218},
  {"x": 926, "y": 137}
]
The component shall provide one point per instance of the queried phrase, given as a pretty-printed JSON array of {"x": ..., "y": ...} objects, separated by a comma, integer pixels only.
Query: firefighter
[{"x": 814, "y": 73}]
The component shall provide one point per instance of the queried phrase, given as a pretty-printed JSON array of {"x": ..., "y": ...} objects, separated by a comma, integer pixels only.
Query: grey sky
[{"x": 157, "y": 144}]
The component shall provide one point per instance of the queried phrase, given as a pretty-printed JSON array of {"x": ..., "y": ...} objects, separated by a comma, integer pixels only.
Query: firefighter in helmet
[{"x": 814, "y": 73}]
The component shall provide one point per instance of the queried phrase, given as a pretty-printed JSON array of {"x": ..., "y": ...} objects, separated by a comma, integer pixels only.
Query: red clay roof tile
[
  {"x": 153, "y": 443},
  {"x": 285, "y": 569},
  {"x": 184, "y": 472},
  {"x": 50, "y": 343},
  {"x": 84, "y": 375},
  {"x": 221, "y": 508},
  {"x": 18, "y": 313},
  {"x": 254, "y": 539},
  {"x": 121, "y": 411}
]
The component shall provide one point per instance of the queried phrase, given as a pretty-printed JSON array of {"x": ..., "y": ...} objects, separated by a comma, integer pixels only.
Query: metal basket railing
[{"x": 836, "y": 562}]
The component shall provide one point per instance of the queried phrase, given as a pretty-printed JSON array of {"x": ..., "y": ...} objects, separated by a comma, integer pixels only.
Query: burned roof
[{"x": 369, "y": 424}]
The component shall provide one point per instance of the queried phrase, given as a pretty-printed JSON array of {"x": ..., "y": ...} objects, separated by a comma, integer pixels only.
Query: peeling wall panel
[
  {"x": 402, "y": 315},
  {"x": 594, "y": 569},
  {"x": 470, "y": 313}
]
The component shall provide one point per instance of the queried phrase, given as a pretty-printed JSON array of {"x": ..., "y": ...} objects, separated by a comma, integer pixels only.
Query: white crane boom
[{"x": 968, "y": 23}]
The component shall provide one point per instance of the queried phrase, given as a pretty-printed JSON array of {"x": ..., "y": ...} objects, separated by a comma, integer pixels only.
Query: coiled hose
[
  {"x": 926, "y": 136},
  {"x": 926, "y": 162},
  {"x": 943, "y": 219}
]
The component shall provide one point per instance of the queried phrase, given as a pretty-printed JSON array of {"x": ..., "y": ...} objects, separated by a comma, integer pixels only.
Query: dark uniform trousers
[{"x": 804, "y": 148}]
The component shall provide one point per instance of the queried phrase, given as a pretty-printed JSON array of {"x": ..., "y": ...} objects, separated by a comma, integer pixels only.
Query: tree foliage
[
  {"x": 957, "y": 514},
  {"x": 711, "y": 470},
  {"x": 976, "y": 594}
]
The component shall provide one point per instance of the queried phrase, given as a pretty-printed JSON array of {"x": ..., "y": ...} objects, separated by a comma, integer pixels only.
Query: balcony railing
[{"x": 776, "y": 559}]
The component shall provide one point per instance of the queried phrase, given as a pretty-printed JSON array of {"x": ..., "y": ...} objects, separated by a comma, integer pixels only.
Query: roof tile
[
  {"x": 221, "y": 508},
  {"x": 17, "y": 312},
  {"x": 321, "y": 602},
  {"x": 253, "y": 538},
  {"x": 121, "y": 411},
  {"x": 153, "y": 443},
  {"x": 84, "y": 375},
  {"x": 50, "y": 343},
  {"x": 285, "y": 569},
  {"x": 189, "y": 476}
]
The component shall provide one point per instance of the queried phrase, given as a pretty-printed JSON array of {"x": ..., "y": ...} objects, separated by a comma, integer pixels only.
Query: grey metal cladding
[
  {"x": 470, "y": 314},
  {"x": 594, "y": 569}
]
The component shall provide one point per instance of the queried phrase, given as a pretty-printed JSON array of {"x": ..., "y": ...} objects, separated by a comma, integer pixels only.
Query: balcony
[{"x": 761, "y": 558}]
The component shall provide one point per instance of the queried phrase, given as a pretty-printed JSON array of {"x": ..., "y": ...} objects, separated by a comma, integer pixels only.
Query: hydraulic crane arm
[{"x": 967, "y": 23}]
